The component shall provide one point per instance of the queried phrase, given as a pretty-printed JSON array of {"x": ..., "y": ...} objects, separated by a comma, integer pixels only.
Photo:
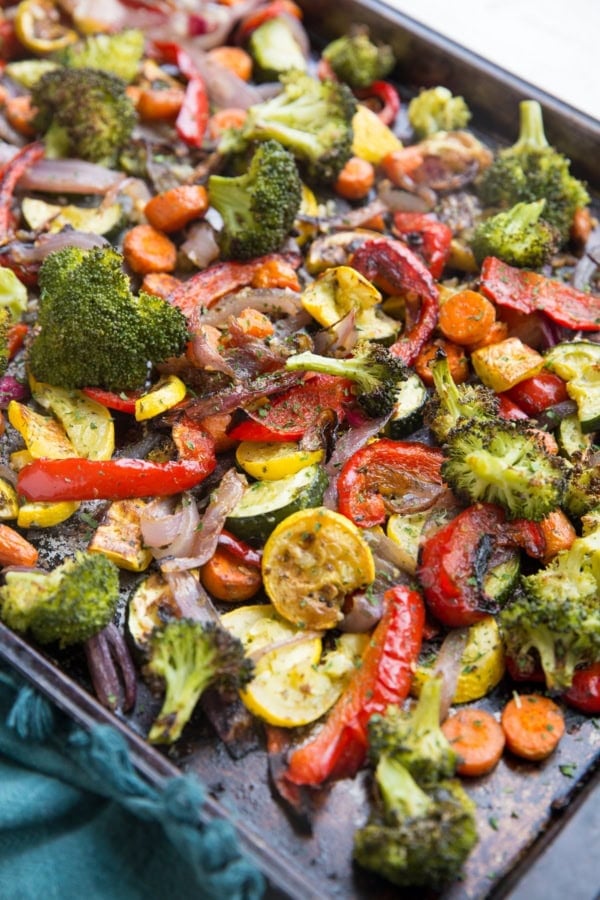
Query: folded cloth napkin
[{"x": 77, "y": 821}]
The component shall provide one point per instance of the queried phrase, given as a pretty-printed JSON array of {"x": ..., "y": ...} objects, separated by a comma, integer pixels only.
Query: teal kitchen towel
[{"x": 77, "y": 821}]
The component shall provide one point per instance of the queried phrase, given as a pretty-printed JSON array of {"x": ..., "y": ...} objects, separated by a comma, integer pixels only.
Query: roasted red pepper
[
  {"x": 536, "y": 394},
  {"x": 387, "y": 98},
  {"x": 427, "y": 236},
  {"x": 397, "y": 269},
  {"x": 16, "y": 337},
  {"x": 193, "y": 116},
  {"x": 240, "y": 549},
  {"x": 384, "y": 677},
  {"x": 373, "y": 477},
  {"x": 584, "y": 693},
  {"x": 9, "y": 176},
  {"x": 49, "y": 480},
  {"x": 507, "y": 409},
  {"x": 454, "y": 562},
  {"x": 527, "y": 292},
  {"x": 288, "y": 416},
  {"x": 123, "y": 402}
]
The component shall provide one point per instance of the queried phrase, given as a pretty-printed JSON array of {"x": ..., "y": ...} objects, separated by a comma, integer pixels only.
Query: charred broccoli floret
[
  {"x": 189, "y": 656},
  {"x": 83, "y": 113},
  {"x": 119, "y": 53},
  {"x": 582, "y": 494},
  {"x": 556, "y": 618},
  {"x": 93, "y": 330},
  {"x": 357, "y": 60},
  {"x": 437, "y": 109},
  {"x": 374, "y": 370},
  {"x": 502, "y": 462},
  {"x": 533, "y": 170},
  {"x": 452, "y": 403},
  {"x": 311, "y": 118},
  {"x": 70, "y": 604},
  {"x": 519, "y": 236},
  {"x": 258, "y": 208}
]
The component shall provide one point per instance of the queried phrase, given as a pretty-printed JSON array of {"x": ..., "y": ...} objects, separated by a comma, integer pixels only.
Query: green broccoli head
[
  {"x": 519, "y": 236},
  {"x": 532, "y": 170},
  {"x": 84, "y": 113},
  {"x": 583, "y": 489},
  {"x": 119, "y": 54},
  {"x": 69, "y": 604},
  {"x": 416, "y": 838},
  {"x": 374, "y": 370},
  {"x": 311, "y": 118},
  {"x": 496, "y": 461},
  {"x": 93, "y": 330},
  {"x": 436, "y": 109},
  {"x": 188, "y": 656},
  {"x": 555, "y": 619},
  {"x": 357, "y": 61},
  {"x": 259, "y": 207},
  {"x": 414, "y": 737},
  {"x": 453, "y": 403}
]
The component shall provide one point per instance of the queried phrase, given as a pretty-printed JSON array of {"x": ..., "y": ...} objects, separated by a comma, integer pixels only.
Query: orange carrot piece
[
  {"x": 498, "y": 332},
  {"x": 400, "y": 164},
  {"x": 227, "y": 578},
  {"x": 477, "y": 738},
  {"x": 255, "y": 323},
  {"x": 457, "y": 361},
  {"x": 14, "y": 549},
  {"x": 148, "y": 250},
  {"x": 582, "y": 225},
  {"x": 16, "y": 338},
  {"x": 155, "y": 105},
  {"x": 177, "y": 207},
  {"x": 159, "y": 284},
  {"x": 558, "y": 533},
  {"x": 20, "y": 114},
  {"x": 356, "y": 179},
  {"x": 230, "y": 117},
  {"x": 276, "y": 272},
  {"x": 533, "y": 726},
  {"x": 236, "y": 59},
  {"x": 466, "y": 317}
]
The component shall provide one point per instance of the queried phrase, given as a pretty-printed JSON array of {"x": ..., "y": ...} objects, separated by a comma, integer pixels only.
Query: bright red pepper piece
[
  {"x": 527, "y": 292},
  {"x": 536, "y": 394},
  {"x": 49, "y": 480},
  {"x": 384, "y": 677},
  {"x": 9, "y": 176},
  {"x": 427, "y": 236},
  {"x": 240, "y": 549},
  {"x": 375, "y": 474},
  {"x": 584, "y": 693},
  {"x": 16, "y": 337},
  {"x": 507, "y": 409},
  {"x": 123, "y": 402},
  {"x": 193, "y": 116},
  {"x": 387, "y": 95},
  {"x": 398, "y": 270}
]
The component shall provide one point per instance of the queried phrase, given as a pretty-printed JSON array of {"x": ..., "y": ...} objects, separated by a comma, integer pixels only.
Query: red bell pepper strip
[
  {"x": 427, "y": 236},
  {"x": 402, "y": 272},
  {"x": 50, "y": 480},
  {"x": 507, "y": 409},
  {"x": 193, "y": 116},
  {"x": 527, "y": 292},
  {"x": 375, "y": 474},
  {"x": 584, "y": 693},
  {"x": 173, "y": 53},
  {"x": 537, "y": 393},
  {"x": 240, "y": 549},
  {"x": 288, "y": 416},
  {"x": 9, "y": 176},
  {"x": 387, "y": 96},
  {"x": 123, "y": 402},
  {"x": 384, "y": 677},
  {"x": 525, "y": 669},
  {"x": 454, "y": 561}
]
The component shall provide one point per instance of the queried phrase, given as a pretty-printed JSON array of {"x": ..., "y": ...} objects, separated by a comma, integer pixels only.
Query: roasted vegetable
[
  {"x": 436, "y": 109},
  {"x": 357, "y": 60},
  {"x": 519, "y": 236},
  {"x": 453, "y": 403}
]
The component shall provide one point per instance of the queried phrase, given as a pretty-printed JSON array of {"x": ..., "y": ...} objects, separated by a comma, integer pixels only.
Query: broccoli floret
[
  {"x": 311, "y": 118},
  {"x": 274, "y": 49},
  {"x": 582, "y": 494},
  {"x": 69, "y": 604},
  {"x": 436, "y": 109},
  {"x": 189, "y": 656},
  {"x": 556, "y": 618},
  {"x": 357, "y": 61},
  {"x": 119, "y": 53},
  {"x": 84, "y": 113},
  {"x": 533, "y": 170},
  {"x": 93, "y": 330},
  {"x": 416, "y": 838},
  {"x": 452, "y": 403},
  {"x": 258, "y": 208},
  {"x": 502, "y": 462},
  {"x": 374, "y": 370},
  {"x": 414, "y": 737},
  {"x": 519, "y": 236}
]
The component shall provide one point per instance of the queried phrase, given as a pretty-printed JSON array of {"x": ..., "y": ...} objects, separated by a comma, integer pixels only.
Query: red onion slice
[{"x": 69, "y": 176}]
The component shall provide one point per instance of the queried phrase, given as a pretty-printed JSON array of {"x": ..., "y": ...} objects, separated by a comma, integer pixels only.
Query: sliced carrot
[
  {"x": 356, "y": 179},
  {"x": 498, "y": 332},
  {"x": 255, "y": 323},
  {"x": 20, "y": 114},
  {"x": 457, "y": 361},
  {"x": 160, "y": 284},
  {"x": 533, "y": 725},
  {"x": 400, "y": 164},
  {"x": 466, "y": 317},
  {"x": 177, "y": 207},
  {"x": 230, "y": 117},
  {"x": 233, "y": 58},
  {"x": 148, "y": 250},
  {"x": 15, "y": 550},
  {"x": 558, "y": 533},
  {"x": 276, "y": 272},
  {"x": 227, "y": 578},
  {"x": 477, "y": 738},
  {"x": 154, "y": 105}
]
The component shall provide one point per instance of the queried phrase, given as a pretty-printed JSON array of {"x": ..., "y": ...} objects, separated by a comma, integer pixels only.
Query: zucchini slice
[
  {"x": 407, "y": 416},
  {"x": 569, "y": 360},
  {"x": 585, "y": 391}
]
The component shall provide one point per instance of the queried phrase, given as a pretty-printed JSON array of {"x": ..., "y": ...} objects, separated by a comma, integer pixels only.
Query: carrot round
[
  {"x": 177, "y": 207},
  {"x": 477, "y": 738},
  {"x": 356, "y": 179},
  {"x": 155, "y": 105},
  {"x": 148, "y": 250},
  {"x": 228, "y": 578},
  {"x": 236, "y": 59},
  {"x": 230, "y": 117},
  {"x": 496, "y": 333},
  {"x": 466, "y": 317},
  {"x": 15, "y": 550},
  {"x": 457, "y": 361},
  {"x": 533, "y": 725}
]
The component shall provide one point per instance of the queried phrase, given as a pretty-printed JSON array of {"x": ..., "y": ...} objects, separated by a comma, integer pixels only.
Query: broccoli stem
[
  {"x": 181, "y": 696},
  {"x": 353, "y": 369},
  {"x": 399, "y": 790},
  {"x": 531, "y": 128}
]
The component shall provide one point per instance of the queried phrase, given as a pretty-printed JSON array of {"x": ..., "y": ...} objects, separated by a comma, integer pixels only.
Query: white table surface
[{"x": 553, "y": 44}]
